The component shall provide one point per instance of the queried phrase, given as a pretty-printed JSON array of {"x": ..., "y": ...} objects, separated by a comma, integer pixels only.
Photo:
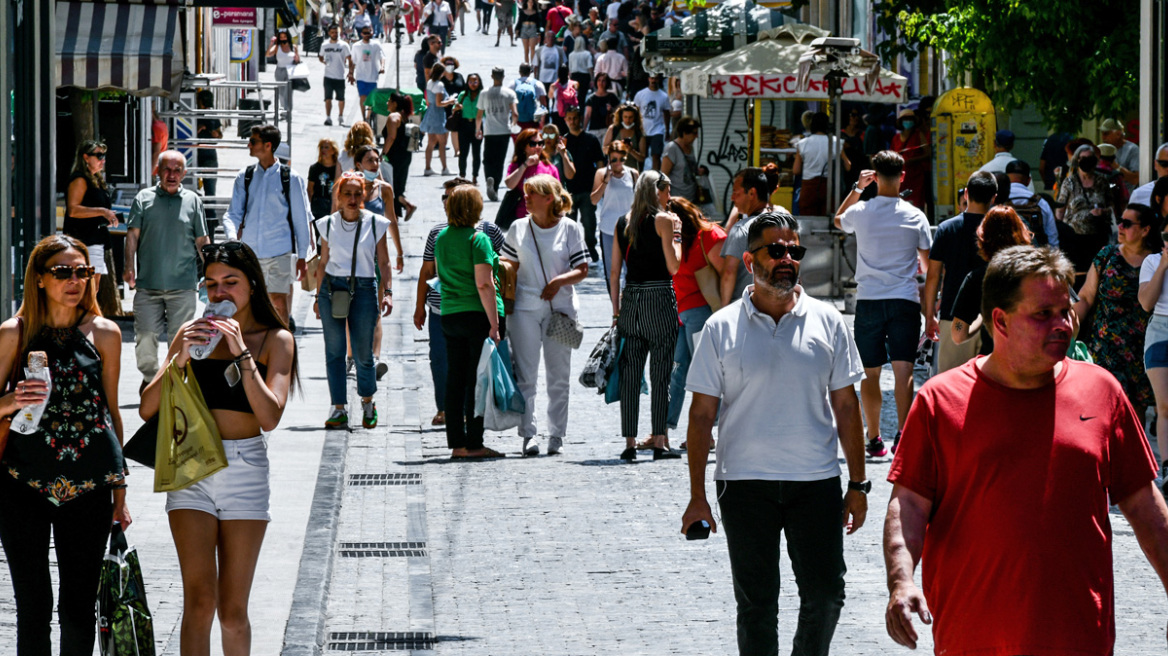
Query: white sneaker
[
  {"x": 492, "y": 194},
  {"x": 428, "y": 172},
  {"x": 446, "y": 172},
  {"x": 555, "y": 446},
  {"x": 530, "y": 446},
  {"x": 341, "y": 121}
]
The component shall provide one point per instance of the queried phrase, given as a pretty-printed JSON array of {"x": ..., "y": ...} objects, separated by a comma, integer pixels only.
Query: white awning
[
  {"x": 769, "y": 69},
  {"x": 134, "y": 47}
]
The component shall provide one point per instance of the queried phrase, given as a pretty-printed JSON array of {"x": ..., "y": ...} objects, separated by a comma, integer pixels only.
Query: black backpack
[
  {"x": 285, "y": 184},
  {"x": 1030, "y": 211}
]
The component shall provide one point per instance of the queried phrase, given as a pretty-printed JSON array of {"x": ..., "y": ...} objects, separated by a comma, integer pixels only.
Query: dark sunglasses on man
[
  {"x": 777, "y": 251},
  {"x": 1163, "y": 163}
]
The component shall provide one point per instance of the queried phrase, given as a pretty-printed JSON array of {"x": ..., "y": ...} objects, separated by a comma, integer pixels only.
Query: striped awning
[{"x": 120, "y": 45}]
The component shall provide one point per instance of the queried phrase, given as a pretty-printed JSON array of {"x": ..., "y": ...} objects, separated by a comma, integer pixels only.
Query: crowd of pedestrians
[{"x": 1011, "y": 286}]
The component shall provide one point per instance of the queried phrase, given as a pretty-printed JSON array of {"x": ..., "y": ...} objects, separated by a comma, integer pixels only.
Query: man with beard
[
  {"x": 776, "y": 477},
  {"x": 892, "y": 245},
  {"x": 1006, "y": 472}
]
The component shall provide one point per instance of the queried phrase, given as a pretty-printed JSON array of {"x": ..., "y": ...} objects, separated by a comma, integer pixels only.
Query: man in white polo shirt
[{"x": 779, "y": 473}]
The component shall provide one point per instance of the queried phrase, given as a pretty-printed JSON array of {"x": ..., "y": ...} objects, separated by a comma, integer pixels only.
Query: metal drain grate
[
  {"x": 382, "y": 549},
  {"x": 385, "y": 479},
  {"x": 383, "y": 641}
]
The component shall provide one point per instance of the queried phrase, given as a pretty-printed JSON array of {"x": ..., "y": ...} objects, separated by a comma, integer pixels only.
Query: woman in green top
[
  {"x": 472, "y": 310},
  {"x": 468, "y": 104}
]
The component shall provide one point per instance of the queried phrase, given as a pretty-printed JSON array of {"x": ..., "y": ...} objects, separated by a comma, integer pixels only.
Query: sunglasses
[
  {"x": 615, "y": 160},
  {"x": 1163, "y": 163},
  {"x": 1126, "y": 223},
  {"x": 534, "y": 143},
  {"x": 777, "y": 251},
  {"x": 100, "y": 155},
  {"x": 67, "y": 272},
  {"x": 210, "y": 250}
]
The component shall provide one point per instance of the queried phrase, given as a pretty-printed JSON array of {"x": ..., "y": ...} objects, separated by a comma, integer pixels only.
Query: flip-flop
[
  {"x": 648, "y": 444},
  {"x": 438, "y": 420}
]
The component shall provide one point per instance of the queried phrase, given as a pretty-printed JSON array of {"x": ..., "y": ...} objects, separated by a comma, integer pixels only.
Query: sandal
[
  {"x": 439, "y": 419},
  {"x": 648, "y": 444},
  {"x": 483, "y": 455}
]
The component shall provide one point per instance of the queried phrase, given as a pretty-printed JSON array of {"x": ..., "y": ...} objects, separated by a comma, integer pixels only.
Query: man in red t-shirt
[
  {"x": 557, "y": 17},
  {"x": 1003, "y": 481}
]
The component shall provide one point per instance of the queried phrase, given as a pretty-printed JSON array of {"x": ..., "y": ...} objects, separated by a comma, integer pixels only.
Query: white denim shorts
[
  {"x": 239, "y": 491},
  {"x": 97, "y": 259},
  {"x": 279, "y": 272}
]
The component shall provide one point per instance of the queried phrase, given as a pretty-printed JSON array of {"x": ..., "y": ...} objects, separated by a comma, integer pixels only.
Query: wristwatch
[{"x": 863, "y": 486}]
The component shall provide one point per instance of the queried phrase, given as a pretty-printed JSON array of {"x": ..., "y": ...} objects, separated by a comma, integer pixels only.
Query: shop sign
[
  {"x": 780, "y": 86},
  {"x": 234, "y": 17},
  {"x": 694, "y": 46}
]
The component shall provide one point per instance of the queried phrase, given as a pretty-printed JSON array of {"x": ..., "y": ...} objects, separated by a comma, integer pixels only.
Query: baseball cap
[
  {"x": 1110, "y": 125},
  {"x": 1004, "y": 138},
  {"x": 1106, "y": 150}
]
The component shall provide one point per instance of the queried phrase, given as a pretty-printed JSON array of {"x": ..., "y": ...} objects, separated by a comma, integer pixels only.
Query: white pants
[{"x": 527, "y": 331}]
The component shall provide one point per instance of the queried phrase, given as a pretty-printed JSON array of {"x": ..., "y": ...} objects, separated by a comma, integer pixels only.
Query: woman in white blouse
[{"x": 551, "y": 258}]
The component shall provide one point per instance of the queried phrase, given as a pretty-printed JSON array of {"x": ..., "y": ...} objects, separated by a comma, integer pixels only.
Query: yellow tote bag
[{"x": 189, "y": 446}]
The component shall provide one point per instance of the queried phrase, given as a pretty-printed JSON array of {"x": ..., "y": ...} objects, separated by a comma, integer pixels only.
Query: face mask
[
  {"x": 1088, "y": 164},
  {"x": 907, "y": 125},
  {"x": 370, "y": 175},
  {"x": 627, "y": 126}
]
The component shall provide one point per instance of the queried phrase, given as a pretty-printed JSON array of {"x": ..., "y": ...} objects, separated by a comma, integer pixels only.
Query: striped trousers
[{"x": 648, "y": 325}]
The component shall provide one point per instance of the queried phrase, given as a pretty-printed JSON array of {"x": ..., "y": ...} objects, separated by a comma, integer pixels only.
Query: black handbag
[
  {"x": 507, "y": 208},
  {"x": 143, "y": 446},
  {"x": 301, "y": 84}
]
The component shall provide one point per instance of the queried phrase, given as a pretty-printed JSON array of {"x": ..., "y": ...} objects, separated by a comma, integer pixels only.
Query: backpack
[
  {"x": 528, "y": 99},
  {"x": 285, "y": 183},
  {"x": 566, "y": 97},
  {"x": 1030, "y": 211}
]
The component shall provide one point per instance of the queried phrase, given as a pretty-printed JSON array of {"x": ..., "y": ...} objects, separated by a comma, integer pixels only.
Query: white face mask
[
  {"x": 627, "y": 126},
  {"x": 370, "y": 175}
]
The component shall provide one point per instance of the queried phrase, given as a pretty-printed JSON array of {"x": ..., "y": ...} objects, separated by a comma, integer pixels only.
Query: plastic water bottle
[{"x": 28, "y": 419}]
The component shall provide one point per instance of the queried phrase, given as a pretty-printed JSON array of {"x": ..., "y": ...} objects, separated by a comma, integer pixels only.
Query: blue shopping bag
[
  {"x": 612, "y": 387},
  {"x": 507, "y": 396}
]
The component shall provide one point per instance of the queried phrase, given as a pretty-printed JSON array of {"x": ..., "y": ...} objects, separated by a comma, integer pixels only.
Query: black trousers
[
  {"x": 754, "y": 514},
  {"x": 495, "y": 156},
  {"x": 465, "y": 333},
  {"x": 80, "y": 530},
  {"x": 401, "y": 173},
  {"x": 468, "y": 142}
]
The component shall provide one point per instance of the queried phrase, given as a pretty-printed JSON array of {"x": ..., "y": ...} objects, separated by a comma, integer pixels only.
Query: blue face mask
[
  {"x": 907, "y": 124},
  {"x": 369, "y": 175}
]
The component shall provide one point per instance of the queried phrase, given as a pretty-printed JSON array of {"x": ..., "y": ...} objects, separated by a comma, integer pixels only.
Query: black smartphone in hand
[{"x": 699, "y": 530}]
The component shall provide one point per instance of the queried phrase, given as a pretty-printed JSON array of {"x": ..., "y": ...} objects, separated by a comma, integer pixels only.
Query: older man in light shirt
[{"x": 271, "y": 217}]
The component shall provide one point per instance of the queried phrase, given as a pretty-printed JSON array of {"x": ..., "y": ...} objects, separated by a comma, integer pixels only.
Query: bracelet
[
  {"x": 242, "y": 356},
  {"x": 388, "y": 291}
]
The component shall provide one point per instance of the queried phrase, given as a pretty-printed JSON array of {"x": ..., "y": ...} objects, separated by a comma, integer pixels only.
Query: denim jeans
[
  {"x": 153, "y": 309},
  {"x": 692, "y": 321},
  {"x": 585, "y": 212},
  {"x": 754, "y": 515},
  {"x": 438, "y": 359},
  {"x": 363, "y": 318}
]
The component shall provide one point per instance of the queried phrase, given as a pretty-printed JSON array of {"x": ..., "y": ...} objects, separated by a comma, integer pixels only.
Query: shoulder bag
[
  {"x": 561, "y": 328},
  {"x": 341, "y": 298},
  {"x": 707, "y": 278}
]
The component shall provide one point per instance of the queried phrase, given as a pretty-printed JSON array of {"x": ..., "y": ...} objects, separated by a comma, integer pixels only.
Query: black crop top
[
  {"x": 644, "y": 262},
  {"x": 216, "y": 392}
]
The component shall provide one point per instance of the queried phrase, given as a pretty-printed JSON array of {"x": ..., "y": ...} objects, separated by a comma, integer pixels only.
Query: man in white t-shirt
[
  {"x": 1143, "y": 194},
  {"x": 497, "y": 113},
  {"x": 549, "y": 59},
  {"x": 336, "y": 57},
  {"x": 892, "y": 245},
  {"x": 777, "y": 469},
  {"x": 437, "y": 17},
  {"x": 654, "y": 105},
  {"x": 366, "y": 64}
]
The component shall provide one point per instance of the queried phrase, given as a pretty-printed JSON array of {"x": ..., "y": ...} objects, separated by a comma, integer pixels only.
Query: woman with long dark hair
[
  {"x": 529, "y": 160},
  {"x": 218, "y": 524},
  {"x": 612, "y": 193},
  {"x": 67, "y": 478},
  {"x": 455, "y": 84},
  {"x": 468, "y": 108},
  {"x": 397, "y": 151},
  {"x": 645, "y": 311},
  {"x": 1090, "y": 205},
  {"x": 88, "y": 207},
  {"x": 627, "y": 127},
  {"x": 529, "y": 24}
]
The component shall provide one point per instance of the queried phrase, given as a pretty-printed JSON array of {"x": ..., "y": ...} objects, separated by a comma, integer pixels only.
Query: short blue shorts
[{"x": 365, "y": 88}]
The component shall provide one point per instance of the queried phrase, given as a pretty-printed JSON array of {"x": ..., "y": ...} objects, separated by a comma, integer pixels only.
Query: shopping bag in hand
[
  {"x": 495, "y": 390},
  {"x": 124, "y": 622},
  {"x": 611, "y": 388},
  {"x": 189, "y": 446}
]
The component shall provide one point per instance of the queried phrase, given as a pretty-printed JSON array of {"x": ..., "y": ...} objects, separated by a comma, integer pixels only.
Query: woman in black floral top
[
  {"x": 1090, "y": 208},
  {"x": 67, "y": 478}
]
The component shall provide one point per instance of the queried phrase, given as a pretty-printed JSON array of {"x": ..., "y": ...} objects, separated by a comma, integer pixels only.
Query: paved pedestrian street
[{"x": 380, "y": 543}]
